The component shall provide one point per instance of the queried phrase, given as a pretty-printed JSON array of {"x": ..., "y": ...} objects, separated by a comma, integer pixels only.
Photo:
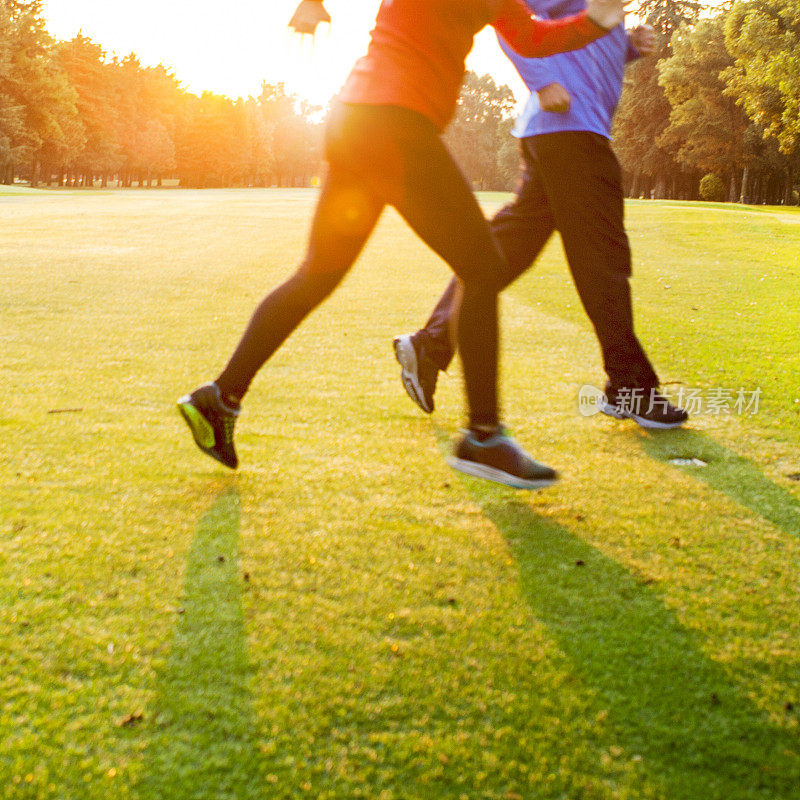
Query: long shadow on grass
[
  {"x": 204, "y": 738},
  {"x": 697, "y": 733},
  {"x": 727, "y": 472}
]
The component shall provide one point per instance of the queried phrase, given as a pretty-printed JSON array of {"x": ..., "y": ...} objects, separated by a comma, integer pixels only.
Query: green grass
[{"x": 346, "y": 617}]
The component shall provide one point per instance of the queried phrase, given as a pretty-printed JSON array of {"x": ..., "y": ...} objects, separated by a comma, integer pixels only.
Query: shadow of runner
[
  {"x": 205, "y": 740},
  {"x": 697, "y": 733},
  {"x": 727, "y": 472}
]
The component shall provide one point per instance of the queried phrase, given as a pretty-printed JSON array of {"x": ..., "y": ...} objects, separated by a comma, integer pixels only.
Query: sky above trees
[{"x": 231, "y": 48}]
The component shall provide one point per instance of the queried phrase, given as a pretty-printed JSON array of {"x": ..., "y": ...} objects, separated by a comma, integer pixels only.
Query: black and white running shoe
[
  {"x": 211, "y": 423},
  {"x": 646, "y": 407},
  {"x": 500, "y": 459},
  {"x": 419, "y": 373}
]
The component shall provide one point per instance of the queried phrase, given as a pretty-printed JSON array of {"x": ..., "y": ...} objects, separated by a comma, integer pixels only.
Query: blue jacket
[{"x": 591, "y": 75}]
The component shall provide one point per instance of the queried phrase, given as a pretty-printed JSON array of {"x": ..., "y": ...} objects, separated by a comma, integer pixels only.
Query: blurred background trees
[
  {"x": 479, "y": 136},
  {"x": 720, "y": 98},
  {"x": 69, "y": 115}
]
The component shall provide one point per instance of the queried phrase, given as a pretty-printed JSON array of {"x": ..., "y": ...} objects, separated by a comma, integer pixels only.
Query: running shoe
[
  {"x": 500, "y": 459},
  {"x": 211, "y": 423},
  {"x": 646, "y": 407},
  {"x": 419, "y": 373}
]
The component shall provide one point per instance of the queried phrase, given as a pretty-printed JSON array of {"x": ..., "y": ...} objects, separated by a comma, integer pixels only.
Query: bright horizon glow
[{"x": 250, "y": 44}]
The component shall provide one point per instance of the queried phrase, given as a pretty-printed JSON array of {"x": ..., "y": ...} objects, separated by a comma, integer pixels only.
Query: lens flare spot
[{"x": 351, "y": 212}]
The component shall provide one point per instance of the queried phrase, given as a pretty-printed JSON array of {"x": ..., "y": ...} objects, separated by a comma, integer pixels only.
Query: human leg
[
  {"x": 440, "y": 207},
  {"x": 437, "y": 336},
  {"x": 583, "y": 183},
  {"x": 520, "y": 230},
  {"x": 345, "y": 216},
  {"x": 332, "y": 249},
  {"x": 392, "y": 155},
  {"x": 522, "y": 227}
]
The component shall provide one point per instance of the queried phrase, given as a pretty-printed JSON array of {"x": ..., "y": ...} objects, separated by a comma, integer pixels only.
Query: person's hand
[
  {"x": 554, "y": 97},
  {"x": 643, "y": 38},
  {"x": 606, "y": 13},
  {"x": 308, "y": 15}
]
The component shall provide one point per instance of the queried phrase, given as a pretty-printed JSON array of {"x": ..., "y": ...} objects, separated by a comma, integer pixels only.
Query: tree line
[
  {"x": 715, "y": 113},
  {"x": 71, "y": 116}
]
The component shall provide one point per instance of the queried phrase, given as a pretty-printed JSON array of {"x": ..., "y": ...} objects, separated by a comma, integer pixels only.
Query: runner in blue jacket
[{"x": 570, "y": 181}]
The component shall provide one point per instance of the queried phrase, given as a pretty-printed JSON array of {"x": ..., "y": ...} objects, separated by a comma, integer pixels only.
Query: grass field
[{"x": 345, "y": 617}]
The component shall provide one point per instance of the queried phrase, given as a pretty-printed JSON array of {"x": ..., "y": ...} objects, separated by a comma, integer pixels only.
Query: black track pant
[
  {"x": 570, "y": 182},
  {"x": 381, "y": 155}
]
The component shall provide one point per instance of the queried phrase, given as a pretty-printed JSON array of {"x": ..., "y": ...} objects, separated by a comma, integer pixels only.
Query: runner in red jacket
[{"x": 383, "y": 147}]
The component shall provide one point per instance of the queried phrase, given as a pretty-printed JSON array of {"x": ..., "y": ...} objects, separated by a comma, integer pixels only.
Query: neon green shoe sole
[{"x": 199, "y": 426}]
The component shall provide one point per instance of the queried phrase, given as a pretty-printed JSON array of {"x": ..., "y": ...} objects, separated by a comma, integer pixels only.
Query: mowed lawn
[{"x": 346, "y": 617}]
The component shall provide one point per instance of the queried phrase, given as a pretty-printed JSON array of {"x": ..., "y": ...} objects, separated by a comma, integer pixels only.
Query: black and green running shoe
[
  {"x": 211, "y": 423},
  {"x": 500, "y": 459}
]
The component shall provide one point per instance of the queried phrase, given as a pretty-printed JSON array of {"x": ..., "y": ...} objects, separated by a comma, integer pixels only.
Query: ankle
[
  {"x": 230, "y": 401},
  {"x": 484, "y": 431}
]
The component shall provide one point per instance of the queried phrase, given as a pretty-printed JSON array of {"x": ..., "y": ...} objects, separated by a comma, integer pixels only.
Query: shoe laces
[{"x": 228, "y": 423}]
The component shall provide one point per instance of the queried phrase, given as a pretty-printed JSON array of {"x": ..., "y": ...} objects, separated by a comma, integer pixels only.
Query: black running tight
[{"x": 381, "y": 155}]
